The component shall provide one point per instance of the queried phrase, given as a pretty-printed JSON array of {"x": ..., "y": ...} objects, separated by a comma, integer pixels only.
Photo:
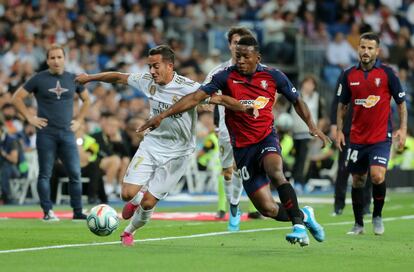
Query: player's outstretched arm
[
  {"x": 302, "y": 110},
  {"x": 184, "y": 104},
  {"x": 109, "y": 77},
  {"x": 233, "y": 104},
  {"x": 401, "y": 133}
]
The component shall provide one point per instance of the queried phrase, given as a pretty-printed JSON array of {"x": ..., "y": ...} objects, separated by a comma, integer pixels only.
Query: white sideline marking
[{"x": 406, "y": 217}]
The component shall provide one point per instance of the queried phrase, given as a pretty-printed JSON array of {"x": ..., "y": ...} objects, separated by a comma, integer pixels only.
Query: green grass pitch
[{"x": 206, "y": 246}]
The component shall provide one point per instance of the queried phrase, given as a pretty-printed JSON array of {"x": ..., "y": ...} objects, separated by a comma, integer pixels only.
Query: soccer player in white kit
[{"x": 160, "y": 160}]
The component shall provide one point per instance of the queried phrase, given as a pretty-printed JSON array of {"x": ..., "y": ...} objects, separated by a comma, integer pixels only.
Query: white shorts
[
  {"x": 226, "y": 154},
  {"x": 160, "y": 174}
]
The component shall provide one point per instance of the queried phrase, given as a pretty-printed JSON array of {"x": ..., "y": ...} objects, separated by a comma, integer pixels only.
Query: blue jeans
[{"x": 51, "y": 142}]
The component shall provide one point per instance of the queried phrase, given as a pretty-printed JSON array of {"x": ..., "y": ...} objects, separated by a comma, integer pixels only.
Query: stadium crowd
[{"x": 108, "y": 35}]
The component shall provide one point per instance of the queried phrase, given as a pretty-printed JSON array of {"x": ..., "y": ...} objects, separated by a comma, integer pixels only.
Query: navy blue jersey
[
  {"x": 369, "y": 93},
  {"x": 334, "y": 109},
  {"x": 54, "y": 95}
]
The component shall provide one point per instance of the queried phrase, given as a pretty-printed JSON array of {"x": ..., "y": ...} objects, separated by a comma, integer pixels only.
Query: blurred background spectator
[{"x": 299, "y": 37}]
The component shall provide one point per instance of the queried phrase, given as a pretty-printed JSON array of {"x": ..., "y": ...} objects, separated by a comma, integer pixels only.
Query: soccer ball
[{"x": 102, "y": 220}]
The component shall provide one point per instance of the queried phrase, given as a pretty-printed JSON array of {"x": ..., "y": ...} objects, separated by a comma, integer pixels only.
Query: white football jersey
[
  {"x": 176, "y": 135},
  {"x": 223, "y": 133}
]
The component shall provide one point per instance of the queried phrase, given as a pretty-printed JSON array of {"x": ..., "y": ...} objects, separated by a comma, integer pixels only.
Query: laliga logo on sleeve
[{"x": 260, "y": 102}]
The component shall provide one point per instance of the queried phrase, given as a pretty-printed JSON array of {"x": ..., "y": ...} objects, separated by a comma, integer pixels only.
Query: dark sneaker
[
  {"x": 79, "y": 216},
  {"x": 337, "y": 212},
  {"x": 220, "y": 215},
  {"x": 356, "y": 230},
  {"x": 254, "y": 215},
  {"x": 50, "y": 217}
]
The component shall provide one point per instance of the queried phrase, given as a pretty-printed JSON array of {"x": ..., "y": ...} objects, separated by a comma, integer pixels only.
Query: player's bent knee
[
  {"x": 126, "y": 196},
  {"x": 377, "y": 178},
  {"x": 129, "y": 191}
]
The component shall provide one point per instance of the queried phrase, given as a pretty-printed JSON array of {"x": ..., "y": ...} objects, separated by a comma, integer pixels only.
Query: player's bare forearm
[
  {"x": 402, "y": 112},
  {"x": 185, "y": 103},
  {"x": 340, "y": 115},
  {"x": 228, "y": 102},
  {"x": 401, "y": 133},
  {"x": 109, "y": 77}
]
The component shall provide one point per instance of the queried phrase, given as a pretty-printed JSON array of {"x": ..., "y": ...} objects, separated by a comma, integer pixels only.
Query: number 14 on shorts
[{"x": 352, "y": 155}]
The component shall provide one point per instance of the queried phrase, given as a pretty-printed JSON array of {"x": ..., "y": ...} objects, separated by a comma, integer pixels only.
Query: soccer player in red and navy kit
[
  {"x": 255, "y": 143},
  {"x": 368, "y": 87}
]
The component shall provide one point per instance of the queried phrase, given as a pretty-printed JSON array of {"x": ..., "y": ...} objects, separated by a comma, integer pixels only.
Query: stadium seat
[
  {"x": 325, "y": 182},
  {"x": 61, "y": 194},
  {"x": 20, "y": 186}
]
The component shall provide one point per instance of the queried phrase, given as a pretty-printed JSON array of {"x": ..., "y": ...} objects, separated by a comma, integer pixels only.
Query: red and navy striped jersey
[
  {"x": 370, "y": 95},
  {"x": 258, "y": 89}
]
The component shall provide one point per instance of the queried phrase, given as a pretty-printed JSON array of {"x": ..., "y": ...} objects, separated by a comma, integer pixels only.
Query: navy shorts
[
  {"x": 249, "y": 162},
  {"x": 361, "y": 157}
]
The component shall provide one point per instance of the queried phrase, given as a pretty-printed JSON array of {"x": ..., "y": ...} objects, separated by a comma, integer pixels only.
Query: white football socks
[
  {"x": 140, "y": 218},
  {"x": 237, "y": 186},
  {"x": 228, "y": 189}
]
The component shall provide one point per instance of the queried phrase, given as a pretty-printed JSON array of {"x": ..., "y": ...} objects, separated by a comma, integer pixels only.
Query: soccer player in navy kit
[
  {"x": 368, "y": 87},
  {"x": 255, "y": 143},
  {"x": 54, "y": 90}
]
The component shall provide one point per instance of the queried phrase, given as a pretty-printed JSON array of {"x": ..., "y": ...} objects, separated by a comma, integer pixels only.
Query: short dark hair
[
  {"x": 55, "y": 46},
  {"x": 370, "y": 36},
  {"x": 249, "y": 41},
  {"x": 241, "y": 31},
  {"x": 165, "y": 51}
]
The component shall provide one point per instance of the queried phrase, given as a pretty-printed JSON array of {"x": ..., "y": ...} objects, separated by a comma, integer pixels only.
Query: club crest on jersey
[
  {"x": 377, "y": 81},
  {"x": 264, "y": 85},
  {"x": 152, "y": 89},
  {"x": 368, "y": 102},
  {"x": 175, "y": 99},
  {"x": 260, "y": 102}
]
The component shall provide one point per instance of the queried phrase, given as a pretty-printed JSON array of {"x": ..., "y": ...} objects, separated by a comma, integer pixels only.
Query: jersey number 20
[{"x": 243, "y": 173}]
